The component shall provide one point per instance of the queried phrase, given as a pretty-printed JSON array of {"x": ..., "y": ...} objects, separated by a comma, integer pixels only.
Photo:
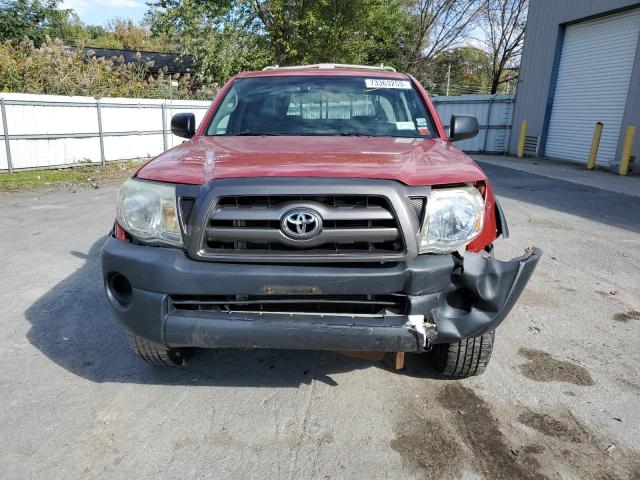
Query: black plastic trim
[
  {"x": 312, "y": 332},
  {"x": 501, "y": 222},
  {"x": 488, "y": 290},
  {"x": 462, "y": 297},
  {"x": 395, "y": 192},
  {"x": 170, "y": 271}
]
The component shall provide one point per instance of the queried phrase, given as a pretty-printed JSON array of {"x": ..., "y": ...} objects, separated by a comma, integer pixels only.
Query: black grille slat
[
  {"x": 352, "y": 225},
  {"x": 274, "y": 213},
  {"x": 323, "y": 304},
  {"x": 328, "y": 235}
]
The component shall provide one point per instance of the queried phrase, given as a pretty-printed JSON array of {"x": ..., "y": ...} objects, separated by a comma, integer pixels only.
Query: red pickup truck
[{"x": 318, "y": 207}]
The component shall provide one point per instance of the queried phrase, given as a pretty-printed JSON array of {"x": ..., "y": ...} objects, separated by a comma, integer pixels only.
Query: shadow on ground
[
  {"x": 615, "y": 209},
  {"x": 72, "y": 325}
]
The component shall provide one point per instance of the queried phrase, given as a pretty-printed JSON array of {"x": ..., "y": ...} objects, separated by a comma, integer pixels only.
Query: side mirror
[
  {"x": 463, "y": 126},
  {"x": 183, "y": 125}
]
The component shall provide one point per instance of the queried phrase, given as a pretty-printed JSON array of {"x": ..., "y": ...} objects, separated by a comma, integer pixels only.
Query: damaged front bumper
[{"x": 448, "y": 299}]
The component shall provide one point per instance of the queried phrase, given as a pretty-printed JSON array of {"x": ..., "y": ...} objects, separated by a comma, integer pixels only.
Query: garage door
[{"x": 593, "y": 81}]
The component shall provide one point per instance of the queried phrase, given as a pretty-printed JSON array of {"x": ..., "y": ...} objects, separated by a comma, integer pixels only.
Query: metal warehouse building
[{"x": 580, "y": 65}]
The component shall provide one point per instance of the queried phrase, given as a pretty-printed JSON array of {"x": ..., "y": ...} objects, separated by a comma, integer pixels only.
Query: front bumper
[{"x": 448, "y": 299}]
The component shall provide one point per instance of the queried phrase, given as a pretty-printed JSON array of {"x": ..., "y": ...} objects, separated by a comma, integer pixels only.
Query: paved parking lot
[{"x": 560, "y": 399}]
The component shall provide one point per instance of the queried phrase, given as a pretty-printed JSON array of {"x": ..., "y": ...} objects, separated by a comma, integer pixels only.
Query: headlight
[
  {"x": 147, "y": 211},
  {"x": 454, "y": 217}
]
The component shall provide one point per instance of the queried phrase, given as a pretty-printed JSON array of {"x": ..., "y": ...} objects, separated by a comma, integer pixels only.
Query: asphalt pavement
[{"x": 560, "y": 398}]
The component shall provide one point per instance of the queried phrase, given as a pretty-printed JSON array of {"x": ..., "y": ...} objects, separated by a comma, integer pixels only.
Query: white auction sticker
[
  {"x": 405, "y": 126},
  {"x": 382, "y": 83}
]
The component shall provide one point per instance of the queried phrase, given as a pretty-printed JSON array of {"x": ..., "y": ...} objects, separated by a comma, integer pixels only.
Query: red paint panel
[{"x": 412, "y": 161}]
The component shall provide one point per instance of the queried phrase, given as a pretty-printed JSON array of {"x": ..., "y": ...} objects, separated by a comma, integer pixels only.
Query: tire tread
[
  {"x": 465, "y": 358},
  {"x": 153, "y": 353}
]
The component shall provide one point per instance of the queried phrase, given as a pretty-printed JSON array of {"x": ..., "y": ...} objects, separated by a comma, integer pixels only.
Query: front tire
[
  {"x": 464, "y": 358},
  {"x": 153, "y": 353}
]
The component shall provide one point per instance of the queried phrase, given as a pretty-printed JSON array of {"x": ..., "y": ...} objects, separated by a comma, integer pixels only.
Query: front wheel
[
  {"x": 464, "y": 358},
  {"x": 153, "y": 353}
]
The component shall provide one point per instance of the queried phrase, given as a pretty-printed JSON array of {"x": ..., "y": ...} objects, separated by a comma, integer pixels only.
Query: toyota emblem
[{"x": 301, "y": 224}]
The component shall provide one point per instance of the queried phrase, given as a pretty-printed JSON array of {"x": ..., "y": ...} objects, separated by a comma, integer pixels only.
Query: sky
[{"x": 98, "y": 12}]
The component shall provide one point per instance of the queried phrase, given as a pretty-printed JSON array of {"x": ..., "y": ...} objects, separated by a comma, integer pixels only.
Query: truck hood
[{"x": 412, "y": 161}]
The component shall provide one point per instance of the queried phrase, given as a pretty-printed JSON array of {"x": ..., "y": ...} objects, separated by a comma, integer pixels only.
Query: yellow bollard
[
  {"x": 523, "y": 135},
  {"x": 595, "y": 144},
  {"x": 627, "y": 149}
]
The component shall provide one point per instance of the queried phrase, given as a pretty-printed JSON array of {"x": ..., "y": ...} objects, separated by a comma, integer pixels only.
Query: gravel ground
[{"x": 560, "y": 399}]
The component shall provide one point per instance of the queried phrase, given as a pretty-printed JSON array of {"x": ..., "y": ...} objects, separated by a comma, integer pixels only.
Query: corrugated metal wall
[
  {"x": 592, "y": 86},
  {"x": 493, "y": 112},
  {"x": 546, "y": 25}
]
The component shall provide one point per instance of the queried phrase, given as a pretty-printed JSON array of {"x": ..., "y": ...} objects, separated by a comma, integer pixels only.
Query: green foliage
[
  {"x": 37, "y": 19},
  {"x": 27, "y": 18},
  {"x": 56, "y": 70},
  {"x": 470, "y": 72},
  {"x": 217, "y": 35},
  {"x": 227, "y": 36},
  {"x": 118, "y": 33},
  {"x": 130, "y": 36},
  {"x": 329, "y": 30},
  {"x": 224, "y": 37}
]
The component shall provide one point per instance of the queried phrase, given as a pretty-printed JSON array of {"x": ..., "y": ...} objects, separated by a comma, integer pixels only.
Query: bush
[{"x": 55, "y": 70}]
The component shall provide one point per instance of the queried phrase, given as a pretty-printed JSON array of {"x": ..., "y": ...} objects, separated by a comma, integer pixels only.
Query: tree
[
  {"x": 227, "y": 36},
  {"x": 28, "y": 18},
  {"x": 37, "y": 19},
  {"x": 467, "y": 68},
  {"x": 504, "y": 25},
  {"x": 216, "y": 33},
  {"x": 299, "y": 31},
  {"x": 67, "y": 26},
  {"x": 437, "y": 26}
]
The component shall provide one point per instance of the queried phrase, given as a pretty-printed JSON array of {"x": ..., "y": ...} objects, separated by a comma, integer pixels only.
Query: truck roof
[{"x": 325, "y": 69}]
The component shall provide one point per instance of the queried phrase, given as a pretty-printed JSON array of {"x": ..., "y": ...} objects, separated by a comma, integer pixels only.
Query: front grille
[
  {"x": 396, "y": 304},
  {"x": 418, "y": 204},
  {"x": 186, "y": 207},
  {"x": 351, "y": 225}
]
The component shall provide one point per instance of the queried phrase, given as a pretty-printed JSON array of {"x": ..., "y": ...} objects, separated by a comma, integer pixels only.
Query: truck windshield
[{"x": 322, "y": 105}]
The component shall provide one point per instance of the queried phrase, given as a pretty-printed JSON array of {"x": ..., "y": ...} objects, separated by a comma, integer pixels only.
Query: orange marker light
[{"x": 119, "y": 233}]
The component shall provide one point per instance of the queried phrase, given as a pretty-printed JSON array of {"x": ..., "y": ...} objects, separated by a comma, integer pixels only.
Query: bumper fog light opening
[{"x": 120, "y": 290}]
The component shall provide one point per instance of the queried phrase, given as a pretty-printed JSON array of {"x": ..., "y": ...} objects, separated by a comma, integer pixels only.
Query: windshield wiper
[
  {"x": 354, "y": 134},
  {"x": 248, "y": 133}
]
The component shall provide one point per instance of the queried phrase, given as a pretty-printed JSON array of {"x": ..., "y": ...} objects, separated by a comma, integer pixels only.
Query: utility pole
[{"x": 448, "y": 78}]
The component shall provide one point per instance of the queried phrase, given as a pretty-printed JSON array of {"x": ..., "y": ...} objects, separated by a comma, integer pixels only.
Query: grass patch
[{"x": 65, "y": 178}]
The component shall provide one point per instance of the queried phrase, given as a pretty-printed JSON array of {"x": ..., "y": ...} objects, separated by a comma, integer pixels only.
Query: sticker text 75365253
[{"x": 385, "y": 83}]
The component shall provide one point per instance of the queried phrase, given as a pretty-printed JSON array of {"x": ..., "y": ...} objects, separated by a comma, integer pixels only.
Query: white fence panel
[
  {"x": 493, "y": 112},
  {"x": 40, "y": 129},
  {"x": 32, "y": 153},
  {"x": 51, "y": 130},
  {"x": 3, "y": 148}
]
